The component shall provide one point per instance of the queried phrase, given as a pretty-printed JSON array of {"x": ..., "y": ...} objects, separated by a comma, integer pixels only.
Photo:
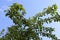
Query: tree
[{"x": 31, "y": 28}]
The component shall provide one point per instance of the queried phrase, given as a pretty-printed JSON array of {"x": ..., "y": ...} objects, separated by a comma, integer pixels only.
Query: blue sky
[{"x": 32, "y": 7}]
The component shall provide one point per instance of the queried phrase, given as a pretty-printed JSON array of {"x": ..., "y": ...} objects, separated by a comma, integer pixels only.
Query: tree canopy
[{"x": 31, "y": 28}]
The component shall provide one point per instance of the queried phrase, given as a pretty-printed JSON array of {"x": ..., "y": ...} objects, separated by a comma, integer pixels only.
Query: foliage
[{"x": 31, "y": 28}]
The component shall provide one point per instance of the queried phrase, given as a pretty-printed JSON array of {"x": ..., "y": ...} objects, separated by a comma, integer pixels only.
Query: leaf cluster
[{"x": 31, "y": 28}]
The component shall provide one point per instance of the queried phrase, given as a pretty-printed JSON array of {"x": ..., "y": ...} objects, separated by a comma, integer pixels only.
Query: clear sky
[{"x": 32, "y": 7}]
